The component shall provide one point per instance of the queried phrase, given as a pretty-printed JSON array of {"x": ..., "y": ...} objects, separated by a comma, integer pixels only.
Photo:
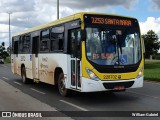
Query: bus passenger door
[
  {"x": 35, "y": 58},
  {"x": 74, "y": 37}
]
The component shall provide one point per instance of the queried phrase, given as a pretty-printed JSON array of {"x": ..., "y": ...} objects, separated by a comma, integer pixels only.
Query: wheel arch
[
  {"x": 22, "y": 65},
  {"x": 57, "y": 72}
]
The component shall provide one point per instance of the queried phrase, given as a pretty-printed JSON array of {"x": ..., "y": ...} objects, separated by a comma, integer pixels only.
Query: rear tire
[
  {"x": 23, "y": 74},
  {"x": 62, "y": 85}
]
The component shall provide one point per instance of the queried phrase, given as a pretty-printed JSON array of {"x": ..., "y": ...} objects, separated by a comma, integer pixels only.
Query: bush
[
  {"x": 7, "y": 60},
  {"x": 157, "y": 57}
]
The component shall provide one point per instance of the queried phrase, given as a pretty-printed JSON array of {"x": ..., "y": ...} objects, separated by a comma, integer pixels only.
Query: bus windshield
[{"x": 108, "y": 46}]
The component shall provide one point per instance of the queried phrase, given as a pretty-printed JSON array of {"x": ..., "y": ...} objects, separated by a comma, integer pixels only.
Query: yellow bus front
[{"x": 112, "y": 56}]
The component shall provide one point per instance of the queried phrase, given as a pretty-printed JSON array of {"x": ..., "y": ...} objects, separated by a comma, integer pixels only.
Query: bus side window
[
  {"x": 44, "y": 42},
  {"x": 15, "y": 47},
  {"x": 75, "y": 43},
  {"x": 57, "y": 38},
  {"x": 24, "y": 44},
  {"x": 60, "y": 41},
  {"x": 12, "y": 46}
]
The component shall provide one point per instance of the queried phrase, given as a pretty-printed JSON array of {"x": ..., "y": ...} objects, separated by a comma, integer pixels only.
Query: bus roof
[{"x": 62, "y": 20}]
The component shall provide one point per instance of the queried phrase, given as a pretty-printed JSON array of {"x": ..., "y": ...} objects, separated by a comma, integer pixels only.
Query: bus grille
[{"x": 113, "y": 85}]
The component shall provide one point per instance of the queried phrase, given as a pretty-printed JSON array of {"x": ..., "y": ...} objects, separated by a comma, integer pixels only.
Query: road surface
[{"x": 44, "y": 97}]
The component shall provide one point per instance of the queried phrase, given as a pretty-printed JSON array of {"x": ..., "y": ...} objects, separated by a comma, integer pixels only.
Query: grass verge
[
  {"x": 7, "y": 60},
  {"x": 152, "y": 70}
]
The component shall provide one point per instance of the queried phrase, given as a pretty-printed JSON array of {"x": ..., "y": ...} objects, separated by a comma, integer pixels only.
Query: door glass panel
[
  {"x": 78, "y": 73},
  {"x": 73, "y": 44},
  {"x": 75, "y": 48},
  {"x": 73, "y": 71}
]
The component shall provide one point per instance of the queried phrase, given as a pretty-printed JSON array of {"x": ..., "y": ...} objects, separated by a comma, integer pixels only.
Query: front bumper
[{"x": 89, "y": 85}]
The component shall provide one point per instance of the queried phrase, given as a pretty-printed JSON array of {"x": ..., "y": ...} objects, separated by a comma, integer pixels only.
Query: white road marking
[
  {"x": 18, "y": 83},
  {"x": 38, "y": 91},
  {"x": 143, "y": 94},
  {"x": 5, "y": 78},
  {"x": 73, "y": 105},
  {"x": 4, "y": 66}
]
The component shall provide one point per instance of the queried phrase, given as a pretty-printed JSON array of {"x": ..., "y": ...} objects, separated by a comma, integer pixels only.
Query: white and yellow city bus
[{"x": 85, "y": 52}]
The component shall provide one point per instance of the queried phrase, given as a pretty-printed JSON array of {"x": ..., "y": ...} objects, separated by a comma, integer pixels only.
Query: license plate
[{"x": 119, "y": 88}]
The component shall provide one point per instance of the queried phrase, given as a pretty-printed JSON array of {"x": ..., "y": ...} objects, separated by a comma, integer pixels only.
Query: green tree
[
  {"x": 151, "y": 42},
  {"x": 9, "y": 50},
  {"x": 3, "y": 53}
]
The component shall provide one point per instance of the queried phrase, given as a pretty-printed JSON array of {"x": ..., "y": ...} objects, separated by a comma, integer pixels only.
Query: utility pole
[
  {"x": 57, "y": 9},
  {"x": 9, "y": 13},
  {"x": 9, "y": 26}
]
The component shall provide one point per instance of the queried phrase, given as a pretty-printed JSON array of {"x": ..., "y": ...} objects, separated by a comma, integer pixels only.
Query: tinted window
[
  {"x": 44, "y": 42},
  {"x": 57, "y": 38},
  {"x": 24, "y": 44}
]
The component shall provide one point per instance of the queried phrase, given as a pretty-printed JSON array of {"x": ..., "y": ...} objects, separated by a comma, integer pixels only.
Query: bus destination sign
[{"x": 109, "y": 20}]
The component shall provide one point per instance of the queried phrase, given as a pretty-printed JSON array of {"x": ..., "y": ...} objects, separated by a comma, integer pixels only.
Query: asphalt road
[{"x": 146, "y": 99}]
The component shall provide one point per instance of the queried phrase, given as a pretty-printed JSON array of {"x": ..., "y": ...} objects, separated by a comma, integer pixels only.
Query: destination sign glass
[{"x": 109, "y": 20}]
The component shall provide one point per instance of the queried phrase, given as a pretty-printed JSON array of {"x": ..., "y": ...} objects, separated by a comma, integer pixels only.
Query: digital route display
[{"x": 109, "y": 20}]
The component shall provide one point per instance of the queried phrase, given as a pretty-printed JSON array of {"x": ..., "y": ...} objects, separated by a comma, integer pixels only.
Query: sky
[{"x": 30, "y": 13}]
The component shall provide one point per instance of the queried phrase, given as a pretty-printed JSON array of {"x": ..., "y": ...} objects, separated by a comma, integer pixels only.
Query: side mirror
[{"x": 83, "y": 35}]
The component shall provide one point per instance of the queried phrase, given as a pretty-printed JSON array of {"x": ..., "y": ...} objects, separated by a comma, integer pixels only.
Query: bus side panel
[
  {"x": 47, "y": 65},
  {"x": 14, "y": 65},
  {"x": 18, "y": 65},
  {"x": 28, "y": 63},
  {"x": 26, "y": 60},
  {"x": 35, "y": 67}
]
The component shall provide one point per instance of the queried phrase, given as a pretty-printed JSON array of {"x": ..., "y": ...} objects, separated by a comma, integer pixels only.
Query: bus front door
[
  {"x": 35, "y": 58},
  {"x": 75, "y": 59}
]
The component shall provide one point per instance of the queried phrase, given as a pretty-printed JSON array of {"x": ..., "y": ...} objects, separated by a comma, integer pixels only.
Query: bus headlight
[
  {"x": 140, "y": 74},
  {"x": 92, "y": 74}
]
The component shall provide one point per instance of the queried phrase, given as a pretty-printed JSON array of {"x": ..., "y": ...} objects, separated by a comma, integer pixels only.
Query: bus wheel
[
  {"x": 61, "y": 85},
  {"x": 23, "y": 74}
]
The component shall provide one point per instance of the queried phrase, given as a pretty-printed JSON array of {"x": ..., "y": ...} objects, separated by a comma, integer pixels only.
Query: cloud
[
  {"x": 35, "y": 12},
  {"x": 155, "y": 5},
  {"x": 151, "y": 24},
  {"x": 30, "y": 13},
  {"x": 4, "y": 33},
  {"x": 3, "y": 28},
  {"x": 88, "y": 4},
  {"x": 96, "y": 3},
  {"x": 16, "y": 5}
]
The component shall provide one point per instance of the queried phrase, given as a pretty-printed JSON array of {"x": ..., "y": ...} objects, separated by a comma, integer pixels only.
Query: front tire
[{"x": 62, "y": 85}]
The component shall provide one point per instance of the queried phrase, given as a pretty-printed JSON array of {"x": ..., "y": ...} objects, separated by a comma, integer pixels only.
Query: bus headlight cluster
[
  {"x": 140, "y": 74},
  {"x": 92, "y": 74}
]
